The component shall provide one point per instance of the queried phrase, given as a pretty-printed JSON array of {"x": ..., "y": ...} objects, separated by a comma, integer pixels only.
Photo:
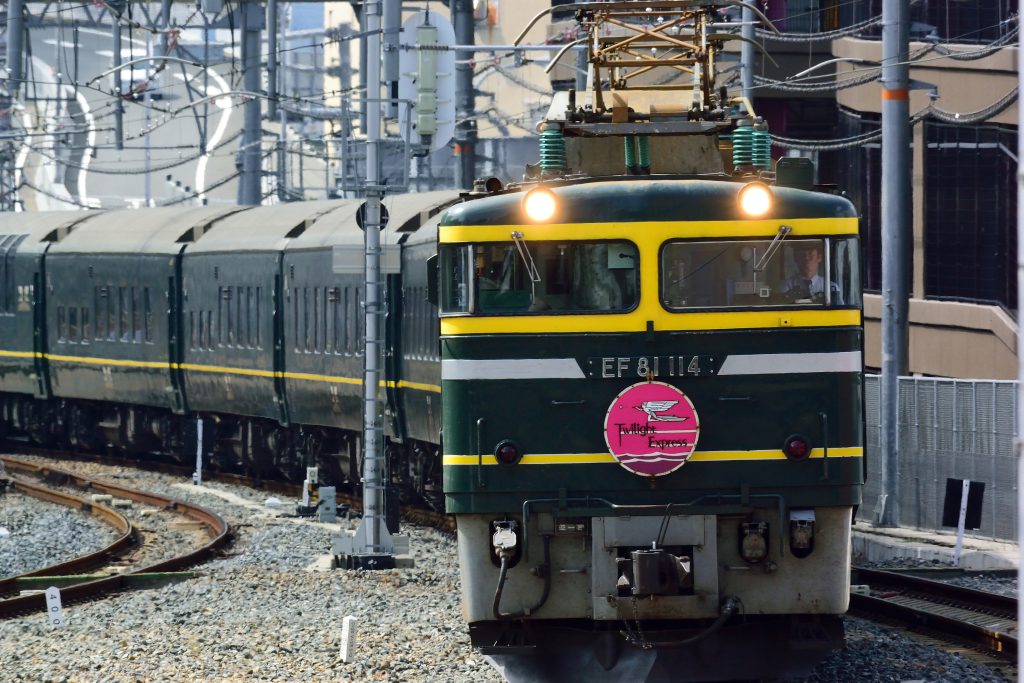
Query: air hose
[
  {"x": 544, "y": 568},
  {"x": 732, "y": 604}
]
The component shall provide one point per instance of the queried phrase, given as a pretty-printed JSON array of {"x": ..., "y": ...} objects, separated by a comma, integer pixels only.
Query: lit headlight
[
  {"x": 540, "y": 204},
  {"x": 755, "y": 199}
]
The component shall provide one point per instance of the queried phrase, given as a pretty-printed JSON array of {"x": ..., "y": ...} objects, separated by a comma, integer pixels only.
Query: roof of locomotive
[
  {"x": 163, "y": 230},
  {"x": 639, "y": 198}
]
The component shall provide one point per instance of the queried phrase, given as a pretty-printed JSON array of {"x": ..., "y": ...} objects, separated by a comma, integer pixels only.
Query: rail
[
  {"x": 985, "y": 620},
  {"x": 216, "y": 529}
]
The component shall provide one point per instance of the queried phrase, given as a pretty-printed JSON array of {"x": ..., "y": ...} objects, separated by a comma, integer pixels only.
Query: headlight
[
  {"x": 755, "y": 199},
  {"x": 540, "y": 204}
]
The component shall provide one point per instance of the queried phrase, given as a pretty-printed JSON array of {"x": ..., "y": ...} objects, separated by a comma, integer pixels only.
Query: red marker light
[
  {"x": 507, "y": 453},
  {"x": 797, "y": 447}
]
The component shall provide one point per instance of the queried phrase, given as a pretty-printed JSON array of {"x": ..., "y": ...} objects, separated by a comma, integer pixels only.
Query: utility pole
[
  {"x": 249, "y": 185},
  {"x": 272, "y": 28},
  {"x": 15, "y": 46},
  {"x": 372, "y": 546},
  {"x": 392, "y": 26},
  {"x": 15, "y": 76},
  {"x": 747, "y": 52},
  {"x": 1019, "y": 442},
  {"x": 896, "y": 217},
  {"x": 465, "y": 96},
  {"x": 116, "y": 8},
  {"x": 148, "y": 106}
]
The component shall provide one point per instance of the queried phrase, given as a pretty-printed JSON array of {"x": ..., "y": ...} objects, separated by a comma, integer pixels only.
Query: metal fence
[{"x": 960, "y": 429}]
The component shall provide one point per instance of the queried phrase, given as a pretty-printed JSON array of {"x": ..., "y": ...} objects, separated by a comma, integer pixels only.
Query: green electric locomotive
[{"x": 652, "y": 391}]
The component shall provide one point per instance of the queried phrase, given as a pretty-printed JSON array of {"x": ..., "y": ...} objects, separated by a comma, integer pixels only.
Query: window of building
[{"x": 970, "y": 236}]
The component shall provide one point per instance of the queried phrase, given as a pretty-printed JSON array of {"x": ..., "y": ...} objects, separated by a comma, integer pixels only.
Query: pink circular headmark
[{"x": 651, "y": 428}]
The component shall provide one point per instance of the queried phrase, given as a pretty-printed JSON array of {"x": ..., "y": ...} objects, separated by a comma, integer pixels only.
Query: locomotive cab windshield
[
  {"x": 725, "y": 273},
  {"x": 557, "y": 276}
]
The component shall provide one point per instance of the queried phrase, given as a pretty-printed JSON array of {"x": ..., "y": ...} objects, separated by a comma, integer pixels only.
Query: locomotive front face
[{"x": 652, "y": 425}]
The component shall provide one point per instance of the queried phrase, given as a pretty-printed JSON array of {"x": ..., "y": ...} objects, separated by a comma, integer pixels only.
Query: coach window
[
  {"x": 790, "y": 272},
  {"x": 111, "y": 307},
  {"x": 137, "y": 315},
  {"x": 147, "y": 315},
  {"x": 99, "y": 298},
  {"x": 317, "y": 330},
  {"x": 525, "y": 276},
  {"x": 73, "y": 324},
  {"x": 259, "y": 330},
  {"x": 86, "y": 328},
  {"x": 124, "y": 321},
  {"x": 62, "y": 325}
]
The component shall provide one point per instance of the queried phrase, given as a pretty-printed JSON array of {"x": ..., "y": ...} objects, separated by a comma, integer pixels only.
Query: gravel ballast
[
  {"x": 40, "y": 534},
  {"x": 265, "y": 613}
]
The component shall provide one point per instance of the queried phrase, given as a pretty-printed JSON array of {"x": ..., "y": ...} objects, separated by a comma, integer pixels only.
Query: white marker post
[
  {"x": 348, "y": 639},
  {"x": 960, "y": 522},
  {"x": 54, "y": 612},
  {"x": 197, "y": 476}
]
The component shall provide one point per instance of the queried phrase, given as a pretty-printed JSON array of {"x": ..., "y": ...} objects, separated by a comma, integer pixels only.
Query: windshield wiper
[
  {"x": 772, "y": 248},
  {"x": 524, "y": 252},
  {"x": 531, "y": 267}
]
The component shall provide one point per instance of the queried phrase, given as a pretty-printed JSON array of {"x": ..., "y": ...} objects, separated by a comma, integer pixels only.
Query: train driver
[{"x": 807, "y": 283}]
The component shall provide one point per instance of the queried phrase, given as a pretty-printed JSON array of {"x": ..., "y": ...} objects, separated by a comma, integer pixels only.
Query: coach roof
[
  {"x": 163, "y": 230},
  {"x": 406, "y": 212}
]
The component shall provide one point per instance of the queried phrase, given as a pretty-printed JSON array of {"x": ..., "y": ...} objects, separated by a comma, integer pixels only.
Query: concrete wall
[{"x": 949, "y": 339}]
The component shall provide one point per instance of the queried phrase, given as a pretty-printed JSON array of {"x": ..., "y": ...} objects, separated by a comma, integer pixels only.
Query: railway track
[
  {"x": 978, "y": 624},
  {"x": 412, "y": 514},
  {"x": 77, "y": 586}
]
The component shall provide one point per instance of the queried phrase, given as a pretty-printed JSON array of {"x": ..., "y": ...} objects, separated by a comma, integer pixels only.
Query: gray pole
[
  {"x": 373, "y": 470},
  {"x": 15, "y": 76},
  {"x": 896, "y": 217},
  {"x": 115, "y": 34},
  {"x": 465, "y": 96},
  {"x": 282, "y": 153},
  {"x": 272, "y": 27},
  {"x": 747, "y": 51},
  {"x": 165, "y": 23},
  {"x": 249, "y": 183},
  {"x": 147, "y": 104},
  {"x": 362, "y": 71},
  {"x": 582, "y": 67},
  {"x": 392, "y": 25},
  {"x": 1020, "y": 346},
  {"x": 15, "y": 46}
]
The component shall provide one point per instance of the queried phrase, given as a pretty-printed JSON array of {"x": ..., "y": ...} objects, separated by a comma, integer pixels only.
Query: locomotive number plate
[{"x": 653, "y": 366}]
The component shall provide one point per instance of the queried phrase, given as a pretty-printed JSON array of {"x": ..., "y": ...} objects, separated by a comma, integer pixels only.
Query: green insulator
[
  {"x": 761, "y": 149},
  {"x": 643, "y": 157},
  {"x": 742, "y": 146},
  {"x": 552, "y": 150},
  {"x": 630, "y": 147}
]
